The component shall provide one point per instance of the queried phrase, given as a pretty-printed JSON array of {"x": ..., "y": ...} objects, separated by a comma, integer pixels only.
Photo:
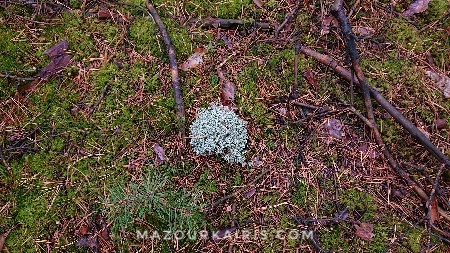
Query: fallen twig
[
  {"x": 2, "y": 157},
  {"x": 294, "y": 91},
  {"x": 179, "y": 105},
  {"x": 21, "y": 79},
  {"x": 99, "y": 99},
  {"x": 439, "y": 190},
  {"x": 238, "y": 191},
  {"x": 399, "y": 171},
  {"x": 337, "y": 11},
  {"x": 398, "y": 116},
  {"x": 287, "y": 19},
  {"x": 209, "y": 22}
]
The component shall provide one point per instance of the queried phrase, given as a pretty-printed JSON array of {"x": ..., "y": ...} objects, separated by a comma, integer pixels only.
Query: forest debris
[
  {"x": 402, "y": 120},
  {"x": 223, "y": 233},
  {"x": 59, "y": 59},
  {"x": 3, "y": 238},
  {"x": 258, "y": 3},
  {"x": 104, "y": 13},
  {"x": 160, "y": 154},
  {"x": 364, "y": 231},
  {"x": 327, "y": 23},
  {"x": 415, "y": 7},
  {"x": 440, "y": 124},
  {"x": 250, "y": 193},
  {"x": 96, "y": 237},
  {"x": 179, "y": 104},
  {"x": 433, "y": 210},
  {"x": 334, "y": 128},
  {"x": 210, "y": 22},
  {"x": 194, "y": 60},
  {"x": 228, "y": 90},
  {"x": 287, "y": 18},
  {"x": 309, "y": 76},
  {"x": 365, "y": 31},
  {"x": 442, "y": 81},
  {"x": 88, "y": 241}
]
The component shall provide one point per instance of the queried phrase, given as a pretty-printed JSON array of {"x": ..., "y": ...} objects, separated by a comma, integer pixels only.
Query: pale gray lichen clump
[{"x": 219, "y": 130}]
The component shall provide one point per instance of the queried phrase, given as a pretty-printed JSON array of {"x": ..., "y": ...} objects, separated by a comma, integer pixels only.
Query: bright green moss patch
[
  {"x": 356, "y": 200},
  {"x": 405, "y": 34}
]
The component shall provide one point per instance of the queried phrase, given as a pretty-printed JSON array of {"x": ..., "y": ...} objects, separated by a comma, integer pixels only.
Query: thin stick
[
  {"x": 398, "y": 116},
  {"x": 402, "y": 173},
  {"x": 294, "y": 91},
  {"x": 287, "y": 19},
  {"x": 99, "y": 99},
  {"x": 238, "y": 191},
  {"x": 179, "y": 105},
  {"x": 207, "y": 23},
  {"x": 22, "y": 79},
  {"x": 2, "y": 157}
]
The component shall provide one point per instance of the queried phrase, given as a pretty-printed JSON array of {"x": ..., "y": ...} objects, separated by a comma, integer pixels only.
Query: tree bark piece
[{"x": 179, "y": 105}]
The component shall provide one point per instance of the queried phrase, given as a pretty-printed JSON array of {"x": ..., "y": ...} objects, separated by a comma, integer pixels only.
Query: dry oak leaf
[
  {"x": 365, "y": 231},
  {"x": 194, "y": 60}
]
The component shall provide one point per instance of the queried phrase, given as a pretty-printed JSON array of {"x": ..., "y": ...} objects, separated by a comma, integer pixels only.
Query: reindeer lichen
[{"x": 218, "y": 130}]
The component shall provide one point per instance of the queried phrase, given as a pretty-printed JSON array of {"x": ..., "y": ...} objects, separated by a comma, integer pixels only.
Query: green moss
[
  {"x": 300, "y": 194},
  {"x": 206, "y": 184},
  {"x": 77, "y": 32},
  {"x": 356, "y": 200},
  {"x": 334, "y": 239},
  {"x": 414, "y": 240},
  {"x": 436, "y": 10},
  {"x": 405, "y": 34}
]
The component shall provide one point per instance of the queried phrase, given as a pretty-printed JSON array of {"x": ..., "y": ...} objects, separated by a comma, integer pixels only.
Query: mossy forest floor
[{"x": 79, "y": 173}]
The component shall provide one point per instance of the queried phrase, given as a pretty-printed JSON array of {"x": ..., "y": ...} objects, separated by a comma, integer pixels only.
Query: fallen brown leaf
[
  {"x": 4, "y": 236},
  {"x": 83, "y": 230},
  {"x": 223, "y": 233},
  {"x": 309, "y": 76},
  {"x": 365, "y": 231},
  {"x": 433, "y": 210},
  {"x": 442, "y": 82},
  {"x": 440, "y": 124},
  {"x": 89, "y": 241},
  {"x": 194, "y": 60},
  {"x": 415, "y": 7},
  {"x": 327, "y": 23},
  {"x": 2, "y": 241},
  {"x": 365, "y": 31},
  {"x": 59, "y": 59},
  {"x": 334, "y": 128},
  {"x": 250, "y": 193},
  {"x": 160, "y": 154},
  {"x": 106, "y": 14},
  {"x": 228, "y": 89},
  {"x": 258, "y": 3}
]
